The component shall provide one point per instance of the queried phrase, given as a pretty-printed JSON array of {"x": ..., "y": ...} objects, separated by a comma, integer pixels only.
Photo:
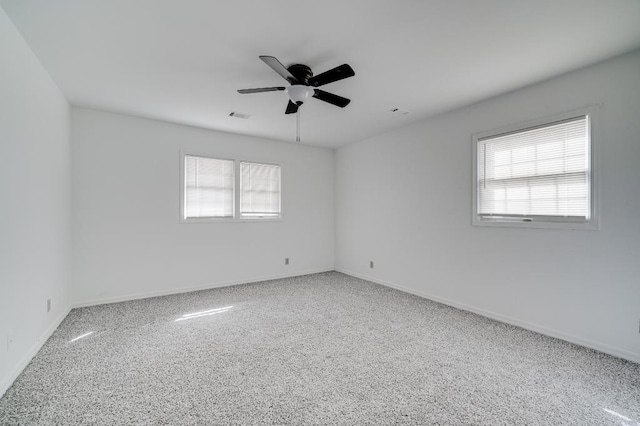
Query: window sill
[
  {"x": 235, "y": 220},
  {"x": 591, "y": 225}
]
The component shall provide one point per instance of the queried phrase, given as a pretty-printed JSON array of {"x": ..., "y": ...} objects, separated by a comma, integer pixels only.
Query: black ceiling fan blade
[
  {"x": 260, "y": 90},
  {"x": 291, "y": 108},
  {"x": 277, "y": 66},
  {"x": 335, "y": 74},
  {"x": 331, "y": 98}
]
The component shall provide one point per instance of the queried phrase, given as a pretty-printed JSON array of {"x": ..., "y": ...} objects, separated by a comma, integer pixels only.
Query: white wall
[
  {"x": 128, "y": 241},
  {"x": 403, "y": 199},
  {"x": 35, "y": 204}
]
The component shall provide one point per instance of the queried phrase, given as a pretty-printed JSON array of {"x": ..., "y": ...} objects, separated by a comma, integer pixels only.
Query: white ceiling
[{"x": 182, "y": 61}]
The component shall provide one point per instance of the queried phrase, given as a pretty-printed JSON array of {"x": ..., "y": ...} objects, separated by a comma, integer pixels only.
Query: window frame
[
  {"x": 549, "y": 222},
  {"x": 237, "y": 218}
]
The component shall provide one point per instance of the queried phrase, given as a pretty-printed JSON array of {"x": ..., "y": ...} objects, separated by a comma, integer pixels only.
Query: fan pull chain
[{"x": 298, "y": 126}]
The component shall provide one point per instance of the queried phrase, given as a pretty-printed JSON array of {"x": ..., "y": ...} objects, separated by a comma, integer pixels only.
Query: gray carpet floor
[{"x": 317, "y": 349}]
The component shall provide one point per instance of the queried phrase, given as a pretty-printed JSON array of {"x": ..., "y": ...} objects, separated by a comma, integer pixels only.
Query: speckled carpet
[{"x": 318, "y": 349}]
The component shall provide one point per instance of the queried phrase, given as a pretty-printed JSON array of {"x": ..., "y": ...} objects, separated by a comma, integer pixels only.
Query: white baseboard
[
  {"x": 147, "y": 295},
  {"x": 7, "y": 381},
  {"x": 617, "y": 352}
]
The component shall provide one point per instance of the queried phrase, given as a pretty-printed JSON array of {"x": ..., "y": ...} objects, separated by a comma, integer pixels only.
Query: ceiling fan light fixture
[{"x": 298, "y": 93}]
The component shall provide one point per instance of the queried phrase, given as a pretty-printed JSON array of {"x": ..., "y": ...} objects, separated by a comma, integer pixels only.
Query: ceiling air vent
[
  {"x": 401, "y": 111},
  {"x": 239, "y": 115}
]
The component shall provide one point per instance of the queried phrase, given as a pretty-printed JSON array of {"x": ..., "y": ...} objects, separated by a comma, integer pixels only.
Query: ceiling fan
[{"x": 303, "y": 83}]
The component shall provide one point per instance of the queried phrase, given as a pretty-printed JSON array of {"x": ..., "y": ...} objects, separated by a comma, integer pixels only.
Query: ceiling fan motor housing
[{"x": 302, "y": 73}]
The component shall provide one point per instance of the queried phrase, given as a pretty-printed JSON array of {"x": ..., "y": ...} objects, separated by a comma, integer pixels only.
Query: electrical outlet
[
  {"x": 286, "y": 260},
  {"x": 48, "y": 305},
  {"x": 371, "y": 264},
  {"x": 9, "y": 343}
]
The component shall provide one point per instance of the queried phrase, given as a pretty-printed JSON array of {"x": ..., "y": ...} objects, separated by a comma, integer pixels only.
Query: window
[
  {"x": 259, "y": 190},
  {"x": 538, "y": 175},
  {"x": 208, "y": 187},
  {"x": 208, "y": 190}
]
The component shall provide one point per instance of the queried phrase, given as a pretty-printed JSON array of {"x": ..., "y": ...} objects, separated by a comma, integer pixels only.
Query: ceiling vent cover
[
  {"x": 239, "y": 115},
  {"x": 397, "y": 110}
]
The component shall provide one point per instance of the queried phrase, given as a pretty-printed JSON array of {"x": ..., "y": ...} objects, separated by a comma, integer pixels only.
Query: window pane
[
  {"x": 541, "y": 171},
  {"x": 208, "y": 187},
  {"x": 259, "y": 190}
]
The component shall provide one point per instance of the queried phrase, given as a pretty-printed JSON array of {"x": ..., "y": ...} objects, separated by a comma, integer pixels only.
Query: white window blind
[
  {"x": 208, "y": 187},
  {"x": 541, "y": 172},
  {"x": 259, "y": 190}
]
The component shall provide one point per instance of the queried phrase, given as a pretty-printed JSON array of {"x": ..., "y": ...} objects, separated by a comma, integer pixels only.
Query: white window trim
[
  {"x": 593, "y": 223},
  {"x": 236, "y": 197}
]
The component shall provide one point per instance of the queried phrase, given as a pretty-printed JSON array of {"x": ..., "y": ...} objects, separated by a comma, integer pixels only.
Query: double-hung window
[
  {"x": 209, "y": 190},
  {"x": 259, "y": 190},
  {"x": 537, "y": 175}
]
